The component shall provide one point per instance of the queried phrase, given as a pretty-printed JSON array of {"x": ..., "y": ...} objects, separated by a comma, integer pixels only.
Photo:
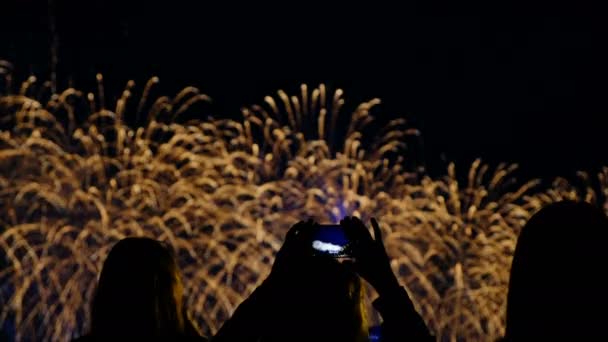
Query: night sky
[{"x": 526, "y": 89}]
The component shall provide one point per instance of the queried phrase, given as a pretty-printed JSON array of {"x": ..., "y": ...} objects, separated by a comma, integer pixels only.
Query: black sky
[{"x": 526, "y": 89}]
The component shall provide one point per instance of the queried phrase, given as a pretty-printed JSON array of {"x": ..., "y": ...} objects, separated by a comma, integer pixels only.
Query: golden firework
[{"x": 76, "y": 178}]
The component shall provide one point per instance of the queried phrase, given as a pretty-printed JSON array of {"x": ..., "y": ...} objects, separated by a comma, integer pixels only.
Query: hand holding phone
[{"x": 371, "y": 260}]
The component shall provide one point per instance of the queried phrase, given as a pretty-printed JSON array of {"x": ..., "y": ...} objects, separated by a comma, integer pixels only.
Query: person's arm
[
  {"x": 401, "y": 321},
  {"x": 249, "y": 319},
  {"x": 255, "y": 316}
]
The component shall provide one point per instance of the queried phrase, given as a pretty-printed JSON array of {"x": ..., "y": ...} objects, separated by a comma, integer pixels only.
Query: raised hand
[
  {"x": 295, "y": 248},
  {"x": 371, "y": 261}
]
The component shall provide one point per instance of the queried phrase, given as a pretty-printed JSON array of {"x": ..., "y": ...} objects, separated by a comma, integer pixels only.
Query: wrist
[{"x": 388, "y": 286}]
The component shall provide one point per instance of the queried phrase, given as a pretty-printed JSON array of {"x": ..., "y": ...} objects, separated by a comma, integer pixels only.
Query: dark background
[{"x": 526, "y": 89}]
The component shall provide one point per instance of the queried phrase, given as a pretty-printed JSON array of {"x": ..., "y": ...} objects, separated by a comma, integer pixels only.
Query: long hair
[
  {"x": 557, "y": 280},
  {"x": 139, "y": 292}
]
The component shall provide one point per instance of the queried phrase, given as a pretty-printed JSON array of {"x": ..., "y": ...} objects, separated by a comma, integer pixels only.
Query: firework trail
[
  {"x": 76, "y": 178},
  {"x": 453, "y": 248},
  {"x": 585, "y": 187}
]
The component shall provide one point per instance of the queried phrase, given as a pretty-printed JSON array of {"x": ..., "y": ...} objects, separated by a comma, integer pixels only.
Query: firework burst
[
  {"x": 452, "y": 246},
  {"x": 79, "y": 175}
]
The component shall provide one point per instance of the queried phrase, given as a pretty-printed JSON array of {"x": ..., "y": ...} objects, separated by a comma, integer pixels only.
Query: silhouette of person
[
  {"x": 558, "y": 287},
  {"x": 139, "y": 296},
  {"x": 316, "y": 298}
]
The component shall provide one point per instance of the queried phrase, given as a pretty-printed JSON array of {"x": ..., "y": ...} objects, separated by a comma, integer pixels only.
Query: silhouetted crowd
[{"x": 557, "y": 288}]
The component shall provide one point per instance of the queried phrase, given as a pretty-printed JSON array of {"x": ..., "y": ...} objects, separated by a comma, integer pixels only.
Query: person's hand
[
  {"x": 295, "y": 248},
  {"x": 370, "y": 259}
]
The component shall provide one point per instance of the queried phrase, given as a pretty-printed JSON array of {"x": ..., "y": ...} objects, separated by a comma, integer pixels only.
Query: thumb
[{"x": 377, "y": 230}]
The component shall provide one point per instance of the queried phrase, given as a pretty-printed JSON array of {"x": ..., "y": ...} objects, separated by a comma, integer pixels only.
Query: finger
[
  {"x": 345, "y": 223},
  {"x": 361, "y": 228},
  {"x": 348, "y": 223},
  {"x": 377, "y": 230},
  {"x": 306, "y": 232},
  {"x": 294, "y": 231},
  {"x": 357, "y": 221}
]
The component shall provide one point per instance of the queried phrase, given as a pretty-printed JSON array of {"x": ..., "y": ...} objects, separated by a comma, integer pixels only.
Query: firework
[
  {"x": 452, "y": 246},
  {"x": 76, "y": 178}
]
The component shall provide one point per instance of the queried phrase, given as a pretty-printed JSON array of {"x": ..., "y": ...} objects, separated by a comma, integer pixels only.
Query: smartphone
[{"x": 331, "y": 240}]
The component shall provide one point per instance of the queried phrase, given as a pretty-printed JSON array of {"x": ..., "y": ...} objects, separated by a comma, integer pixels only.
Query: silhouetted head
[
  {"x": 139, "y": 292},
  {"x": 557, "y": 288},
  {"x": 324, "y": 301}
]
